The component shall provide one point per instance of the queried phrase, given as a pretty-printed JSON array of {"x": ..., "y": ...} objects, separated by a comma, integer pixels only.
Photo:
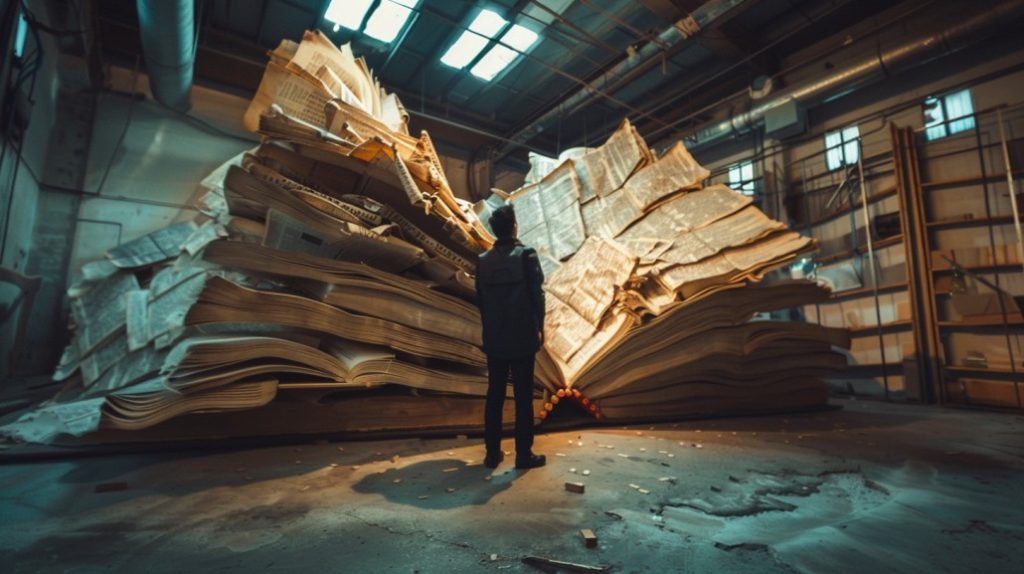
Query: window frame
[
  {"x": 945, "y": 126},
  {"x": 374, "y": 7},
  {"x": 846, "y": 151},
  {"x": 745, "y": 183},
  {"x": 498, "y": 40}
]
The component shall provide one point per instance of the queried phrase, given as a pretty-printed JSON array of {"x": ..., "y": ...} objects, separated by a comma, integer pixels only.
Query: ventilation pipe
[
  {"x": 885, "y": 63},
  {"x": 642, "y": 59},
  {"x": 168, "y": 44}
]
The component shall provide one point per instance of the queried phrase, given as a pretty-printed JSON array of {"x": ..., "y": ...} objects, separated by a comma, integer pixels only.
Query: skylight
[
  {"x": 384, "y": 23},
  {"x": 347, "y": 13},
  {"x": 387, "y": 20},
  {"x": 500, "y": 56},
  {"x": 472, "y": 41},
  {"x": 482, "y": 30}
]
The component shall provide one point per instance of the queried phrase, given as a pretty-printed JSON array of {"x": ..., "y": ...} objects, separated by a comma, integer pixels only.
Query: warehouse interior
[{"x": 783, "y": 260}]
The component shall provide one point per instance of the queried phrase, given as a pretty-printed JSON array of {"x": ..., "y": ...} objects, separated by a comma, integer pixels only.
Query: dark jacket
[{"x": 511, "y": 299}]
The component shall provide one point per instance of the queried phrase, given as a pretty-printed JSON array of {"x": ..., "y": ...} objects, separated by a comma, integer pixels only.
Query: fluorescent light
[
  {"x": 347, "y": 13},
  {"x": 387, "y": 20},
  {"x": 500, "y": 56},
  {"x": 472, "y": 41}
]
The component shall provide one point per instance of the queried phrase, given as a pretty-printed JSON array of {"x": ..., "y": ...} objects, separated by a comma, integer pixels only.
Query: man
[{"x": 511, "y": 301}]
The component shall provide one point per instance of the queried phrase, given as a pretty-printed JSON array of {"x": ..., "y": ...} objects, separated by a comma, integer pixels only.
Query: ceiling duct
[
  {"x": 168, "y": 44},
  {"x": 886, "y": 62},
  {"x": 643, "y": 58}
]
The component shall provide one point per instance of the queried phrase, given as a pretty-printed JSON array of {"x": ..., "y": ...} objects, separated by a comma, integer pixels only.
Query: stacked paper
[{"x": 335, "y": 258}]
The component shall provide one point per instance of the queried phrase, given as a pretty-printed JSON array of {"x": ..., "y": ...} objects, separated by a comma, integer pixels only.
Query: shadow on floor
[{"x": 436, "y": 484}]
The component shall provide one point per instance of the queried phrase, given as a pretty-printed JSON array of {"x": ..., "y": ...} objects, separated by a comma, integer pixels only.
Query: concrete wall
[
  {"x": 145, "y": 162},
  {"x": 19, "y": 176},
  {"x": 143, "y": 166}
]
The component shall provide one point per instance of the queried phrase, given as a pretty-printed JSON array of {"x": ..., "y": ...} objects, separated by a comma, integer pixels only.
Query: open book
[{"x": 328, "y": 285}]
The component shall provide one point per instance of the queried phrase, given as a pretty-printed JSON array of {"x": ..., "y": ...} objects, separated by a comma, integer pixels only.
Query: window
[
  {"x": 949, "y": 114},
  {"x": 500, "y": 57},
  {"x": 384, "y": 23},
  {"x": 485, "y": 27},
  {"x": 842, "y": 147},
  {"x": 19, "y": 36},
  {"x": 741, "y": 177}
]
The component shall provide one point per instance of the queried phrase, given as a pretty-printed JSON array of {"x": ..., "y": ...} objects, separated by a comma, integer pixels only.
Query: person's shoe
[
  {"x": 531, "y": 461},
  {"x": 492, "y": 460}
]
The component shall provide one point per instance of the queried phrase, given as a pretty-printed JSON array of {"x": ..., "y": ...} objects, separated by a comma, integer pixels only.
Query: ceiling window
[
  {"x": 384, "y": 22},
  {"x": 741, "y": 177},
  {"x": 487, "y": 25},
  {"x": 842, "y": 147},
  {"x": 949, "y": 114}
]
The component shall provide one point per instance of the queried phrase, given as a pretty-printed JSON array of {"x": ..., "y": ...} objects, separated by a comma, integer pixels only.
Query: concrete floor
[{"x": 873, "y": 487}]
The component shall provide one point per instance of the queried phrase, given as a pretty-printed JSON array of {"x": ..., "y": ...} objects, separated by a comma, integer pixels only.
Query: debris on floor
[{"x": 549, "y": 565}]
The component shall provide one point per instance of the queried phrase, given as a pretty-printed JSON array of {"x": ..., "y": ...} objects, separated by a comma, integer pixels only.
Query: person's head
[{"x": 503, "y": 222}]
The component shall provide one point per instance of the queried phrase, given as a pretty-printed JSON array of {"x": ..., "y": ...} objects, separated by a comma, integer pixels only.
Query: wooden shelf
[
  {"x": 969, "y": 326},
  {"x": 891, "y": 367},
  {"x": 862, "y": 248},
  {"x": 984, "y": 268},
  {"x": 872, "y": 198},
  {"x": 960, "y": 369},
  {"x": 975, "y": 180},
  {"x": 868, "y": 330},
  {"x": 867, "y": 291},
  {"x": 971, "y": 222}
]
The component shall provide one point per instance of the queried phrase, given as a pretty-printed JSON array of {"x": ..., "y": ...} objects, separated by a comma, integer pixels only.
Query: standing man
[{"x": 511, "y": 301}]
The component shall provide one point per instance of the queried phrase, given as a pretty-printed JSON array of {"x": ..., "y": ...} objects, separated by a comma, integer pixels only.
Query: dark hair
[{"x": 502, "y": 221}]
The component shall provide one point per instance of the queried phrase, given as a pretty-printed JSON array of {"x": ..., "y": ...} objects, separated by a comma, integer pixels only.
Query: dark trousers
[{"x": 522, "y": 388}]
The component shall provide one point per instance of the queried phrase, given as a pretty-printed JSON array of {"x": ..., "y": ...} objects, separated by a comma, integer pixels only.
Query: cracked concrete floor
[{"x": 872, "y": 487}]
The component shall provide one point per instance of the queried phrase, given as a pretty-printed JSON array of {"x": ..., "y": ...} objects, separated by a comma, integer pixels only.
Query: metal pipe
[
  {"x": 1010, "y": 186},
  {"x": 168, "y": 43},
  {"x": 872, "y": 264},
  {"x": 866, "y": 71},
  {"x": 672, "y": 36}
]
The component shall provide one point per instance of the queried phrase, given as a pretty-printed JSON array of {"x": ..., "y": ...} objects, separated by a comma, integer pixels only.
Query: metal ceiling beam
[
  {"x": 878, "y": 66},
  {"x": 443, "y": 44},
  {"x": 594, "y": 40},
  {"x": 638, "y": 34},
  {"x": 678, "y": 115},
  {"x": 541, "y": 62},
  {"x": 674, "y": 36},
  {"x": 395, "y": 45},
  {"x": 573, "y": 52},
  {"x": 663, "y": 9}
]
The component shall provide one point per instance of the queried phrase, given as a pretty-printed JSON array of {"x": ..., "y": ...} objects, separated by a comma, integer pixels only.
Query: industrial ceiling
[{"x": 663, "y": 63}]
